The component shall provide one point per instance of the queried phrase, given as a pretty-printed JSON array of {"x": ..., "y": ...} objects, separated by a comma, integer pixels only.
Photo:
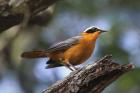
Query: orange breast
[{"x": 79, "y": 53}]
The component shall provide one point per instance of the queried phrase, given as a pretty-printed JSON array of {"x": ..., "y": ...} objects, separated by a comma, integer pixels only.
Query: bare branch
[{"x": 92, "y": 78}]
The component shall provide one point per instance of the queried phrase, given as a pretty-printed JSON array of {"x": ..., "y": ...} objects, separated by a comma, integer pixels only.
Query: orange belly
[
  {"x": 79, "y": 53},
  {"x": 76, "y": 54}
]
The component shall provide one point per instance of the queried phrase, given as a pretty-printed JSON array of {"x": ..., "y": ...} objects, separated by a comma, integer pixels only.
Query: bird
[{"x": 70, "y": 52}]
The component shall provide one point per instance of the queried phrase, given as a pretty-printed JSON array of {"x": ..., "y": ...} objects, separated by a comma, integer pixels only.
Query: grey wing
[{"x": 64, "y": 45}]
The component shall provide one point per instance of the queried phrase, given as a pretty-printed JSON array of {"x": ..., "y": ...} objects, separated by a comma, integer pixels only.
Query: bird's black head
[{"x": 93, "y": 29}]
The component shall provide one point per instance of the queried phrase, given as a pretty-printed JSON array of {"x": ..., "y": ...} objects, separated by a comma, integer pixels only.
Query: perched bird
[{"x": 70, "y": 52}]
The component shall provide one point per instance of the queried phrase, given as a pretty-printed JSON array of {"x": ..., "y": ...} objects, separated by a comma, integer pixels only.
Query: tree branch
[
  {"x": 92, "y": 78},
  {"x": 12, "y": 12}
]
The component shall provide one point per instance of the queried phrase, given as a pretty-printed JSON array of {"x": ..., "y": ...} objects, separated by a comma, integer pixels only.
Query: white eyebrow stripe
[{"x": 90, "y": 28}]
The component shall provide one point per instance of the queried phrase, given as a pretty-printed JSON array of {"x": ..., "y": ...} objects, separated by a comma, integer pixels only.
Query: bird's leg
[
  {"x": 70, "y": 65},
  {"x": 67, "y": 64},
  {"x": 73, "y": 67}
]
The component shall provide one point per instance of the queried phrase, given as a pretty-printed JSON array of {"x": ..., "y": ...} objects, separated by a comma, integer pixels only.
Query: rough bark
[
  {"x": 12, "y": 12},
  {"x": 92, "y": 78}
]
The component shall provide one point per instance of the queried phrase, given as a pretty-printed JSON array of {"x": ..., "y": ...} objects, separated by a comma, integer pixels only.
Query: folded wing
[
  {"x": 64, "y": 45},
  {"x": 58, "y": 47}
]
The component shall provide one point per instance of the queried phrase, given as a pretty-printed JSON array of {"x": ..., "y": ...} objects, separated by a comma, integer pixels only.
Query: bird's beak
[{"x": 102, "y": 31}]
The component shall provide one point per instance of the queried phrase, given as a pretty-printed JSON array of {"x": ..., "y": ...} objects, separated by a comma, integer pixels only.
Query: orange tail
[{"x": 34, "y": 54}]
